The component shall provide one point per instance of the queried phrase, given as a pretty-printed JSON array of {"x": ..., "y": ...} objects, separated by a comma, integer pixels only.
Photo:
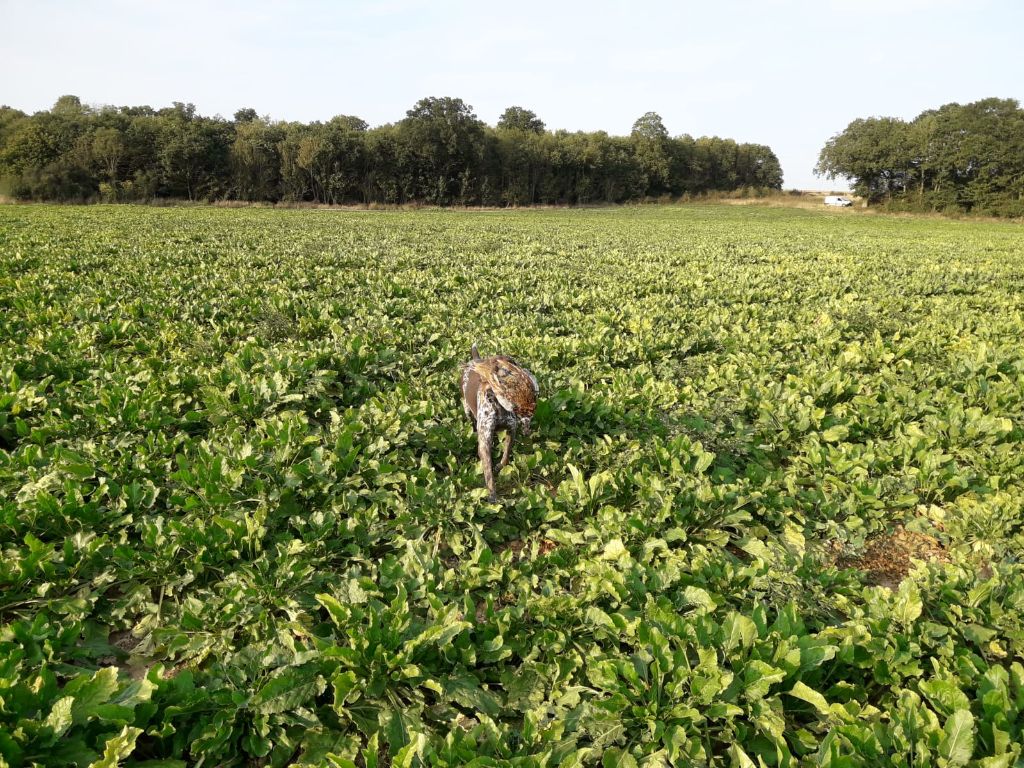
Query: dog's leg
[
  {"x": 510, "y": 437},
  {"x": 486, "y": 419}
]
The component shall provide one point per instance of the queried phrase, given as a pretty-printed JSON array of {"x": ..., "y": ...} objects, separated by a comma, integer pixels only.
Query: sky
[{"x": 786, "y": 73}]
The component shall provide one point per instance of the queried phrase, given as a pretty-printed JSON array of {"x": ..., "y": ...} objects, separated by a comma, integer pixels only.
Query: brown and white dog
[{"x": 497, "y": 394}]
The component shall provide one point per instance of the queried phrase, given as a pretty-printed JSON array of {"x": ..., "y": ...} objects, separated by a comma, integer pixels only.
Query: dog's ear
[{"x": 474, "y": 353}]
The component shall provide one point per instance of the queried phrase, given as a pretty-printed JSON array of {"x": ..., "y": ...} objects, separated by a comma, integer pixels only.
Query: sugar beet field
[{"x": 771, "y": 512}]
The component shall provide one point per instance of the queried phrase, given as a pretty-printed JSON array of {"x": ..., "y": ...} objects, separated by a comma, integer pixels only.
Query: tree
[
  {"x": 381, "y": 171},
  {"x": 142, "y": 136},
  {"x": 876, "y": 154},
  {"x": 68, "y": 105},
  {"x": 758, "y": 167},
  {"x": 332, "y": 155},
  {"x": 294, "y": 179},
  {"x": 963, "y": 156},
  {"x": 443, "y": 150},
  {"x": 256, "y": 160},
  {"x": 650, "y": 141},
  {"x": 246, "y": 115},
  {"x": 978, "y": 149},
  {"x": 107, "y": 148},
  {"x": 9, "y": 119},
  {"x": 351, "y": 123},
  {"x": 649, "y": 126},
  {"x": 179, "y": 111},
  {"x": 195, "y": 155},
  {"x": 43, "y": 155},
  {"x": 522, "y": 162},
  {"x": 520, "y": 119},
  {"x": 439, "y": 153}
]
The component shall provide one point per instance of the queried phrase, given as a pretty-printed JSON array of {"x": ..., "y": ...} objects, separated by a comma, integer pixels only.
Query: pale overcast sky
[{"x": 787, "y": 73}]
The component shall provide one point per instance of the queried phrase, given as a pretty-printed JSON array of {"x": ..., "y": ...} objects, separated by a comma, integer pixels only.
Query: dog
[{"x": 497, "y": 394}]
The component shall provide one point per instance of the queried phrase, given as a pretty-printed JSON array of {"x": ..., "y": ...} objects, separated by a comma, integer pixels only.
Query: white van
[{"x": 838, "y": 200}]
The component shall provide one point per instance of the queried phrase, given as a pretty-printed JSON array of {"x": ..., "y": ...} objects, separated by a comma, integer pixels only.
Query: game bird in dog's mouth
[{"x": 497, "y": 394}]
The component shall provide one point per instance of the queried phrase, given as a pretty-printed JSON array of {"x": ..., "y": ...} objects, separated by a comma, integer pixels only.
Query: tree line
[
  {"x": 441, "y": 153},
  {"x": 967, "y": 158}
]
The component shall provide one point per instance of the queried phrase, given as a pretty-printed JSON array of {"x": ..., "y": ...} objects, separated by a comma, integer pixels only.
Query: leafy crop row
[{"x": 241, "y": 521}]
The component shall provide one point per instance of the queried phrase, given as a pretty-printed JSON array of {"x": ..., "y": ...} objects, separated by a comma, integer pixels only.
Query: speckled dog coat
[{"x": 497, "y": 394}]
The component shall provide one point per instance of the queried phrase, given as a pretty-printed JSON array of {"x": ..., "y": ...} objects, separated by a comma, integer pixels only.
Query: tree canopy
[
  {"x": 440, "y": 153},
  {"x": 520, "y": 119},
  {"x": 958, "y": 157}
]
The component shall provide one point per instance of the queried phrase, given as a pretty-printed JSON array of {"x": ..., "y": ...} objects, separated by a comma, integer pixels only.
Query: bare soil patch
[
  {"x": 888, "y": 558},
  {"x": 517, "y": 547}
]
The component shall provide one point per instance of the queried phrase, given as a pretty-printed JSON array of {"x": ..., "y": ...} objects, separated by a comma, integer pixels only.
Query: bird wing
[
  {"x": 494, "y": 376},
  {"x": 470, "y": 387},
  {"x": 514, "y": 386},
  {"x": 524, "y": 371}
]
